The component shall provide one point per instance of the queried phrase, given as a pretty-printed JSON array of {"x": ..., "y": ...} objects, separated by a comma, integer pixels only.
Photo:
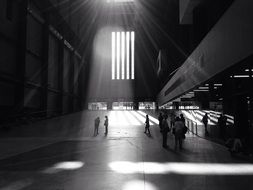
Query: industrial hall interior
[{"x": 126, "y": 94}]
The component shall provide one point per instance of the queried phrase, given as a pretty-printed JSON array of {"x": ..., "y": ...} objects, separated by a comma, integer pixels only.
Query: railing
[{"x": 192, "y": 126}]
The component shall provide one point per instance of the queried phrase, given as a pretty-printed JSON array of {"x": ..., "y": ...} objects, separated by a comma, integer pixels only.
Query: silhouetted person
[
  {"x": 106, "y": 124},
  {"x": 178, "y": 132},
  {"x": 96, "y": 126},
  {"x": 172, "y": 120},
  {"x": 182, "y": 118},
  {"x": 160, "y": 119},
  {"x": 147, "y": 125},
  {"x": 222, "y": 120},
  {"x": 165, "y": 130},
  {"x": 205, "y": 122}
]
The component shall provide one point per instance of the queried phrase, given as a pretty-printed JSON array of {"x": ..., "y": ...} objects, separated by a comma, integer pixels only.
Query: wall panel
[
  {"x": 33, "y": 69},
  {"x": 53, "y": 63},
  {"x": 7, "y": 94},
  {"x": 7, "y": 57},
  {"x": 66, "y": 70},
  {"x": 32, "y": 98}
]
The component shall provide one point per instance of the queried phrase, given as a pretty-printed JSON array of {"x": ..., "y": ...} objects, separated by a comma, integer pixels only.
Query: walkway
[{"x": 63, "y": 154}]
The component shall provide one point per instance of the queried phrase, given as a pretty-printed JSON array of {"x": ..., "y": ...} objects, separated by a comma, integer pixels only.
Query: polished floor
[{"x": 63, "y": 154}]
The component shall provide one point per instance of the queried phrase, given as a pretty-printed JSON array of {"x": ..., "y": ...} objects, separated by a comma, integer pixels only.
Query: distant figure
[
  {"x": 178, "y": 131},
  {"x": 172, "y": 120},
  {"x": 160, "y": 119},
  {"x": 106, "y": 124},
  {"x": 165, "y": 130},
  {"x": 182, "y": 118},
  {"x": 96, "y": 126},
  {"x": 222, "y": 120},
  {"x": 147, "y": 125},
  {"x": 205, "y": 122}
]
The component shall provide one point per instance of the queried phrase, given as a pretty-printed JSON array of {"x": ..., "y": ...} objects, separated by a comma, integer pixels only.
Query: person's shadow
[{"x": 149, "y": 135}]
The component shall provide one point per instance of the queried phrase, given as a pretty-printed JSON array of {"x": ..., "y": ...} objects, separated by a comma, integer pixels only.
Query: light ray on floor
[
  {"x": 139, "y": 117},
  {"x": 125, "y": 118},
  {"x": 125, "y": 167},
  {"x": 150, "y": 117},
  {"x": 131, "y": 118},
  {"x": 138, "y": 185},
  {"x": 68, "y": 165}
]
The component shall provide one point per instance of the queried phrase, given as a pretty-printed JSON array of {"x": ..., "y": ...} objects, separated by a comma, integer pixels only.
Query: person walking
[
  {"x": 205, "y": 122},
  {"x": 178, "y": 131},
  {"x": 106, "y": 123},
  {"x": 165, "y": 130},
  {"x": 147, "y": 125}
]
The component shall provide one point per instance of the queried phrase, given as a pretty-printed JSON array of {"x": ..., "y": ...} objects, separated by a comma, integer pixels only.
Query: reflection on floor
[{"x": 63, "y": 154}]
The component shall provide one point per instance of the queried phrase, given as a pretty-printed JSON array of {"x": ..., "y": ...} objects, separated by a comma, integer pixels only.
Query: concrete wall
[
  {"x": 39, "y": 63},
  {"x": 229, "y": 42}
]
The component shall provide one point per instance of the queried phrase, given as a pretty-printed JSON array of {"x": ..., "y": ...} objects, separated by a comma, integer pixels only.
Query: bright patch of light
[
  {"x": 113, "y": 55},
  {"x": 125, "y": 118},
  {"x": 126, "y": 167},
  {"x": 139, "y": 117},
  {"x": 121, "y": 116},
  {"x": 200, "y": 90},
  {"x": 70, "y": 165},
  {"x": 204, "y": 87},
  {"x": 150, "y": 117},
  {"x": 241, "y": 76},
  {"x": 181, "y": 168},
  {"x": 132, "y": 119},
  {"x": 138, "y": 185},
  {"x": 191, "y": 117},
  {"x": 132, "y": 54}
]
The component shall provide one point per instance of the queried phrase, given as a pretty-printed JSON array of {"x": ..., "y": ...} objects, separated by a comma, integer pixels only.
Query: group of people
[
  {"x": 177, "y": 127},
  {"x": 96, "y": 125}
]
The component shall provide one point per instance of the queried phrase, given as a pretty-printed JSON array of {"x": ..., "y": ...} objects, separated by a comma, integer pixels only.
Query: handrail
[{"x": 192, "y": 126}]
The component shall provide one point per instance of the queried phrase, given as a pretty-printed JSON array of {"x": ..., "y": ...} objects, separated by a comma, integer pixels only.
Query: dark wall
[{"x": 40, "y": 61}]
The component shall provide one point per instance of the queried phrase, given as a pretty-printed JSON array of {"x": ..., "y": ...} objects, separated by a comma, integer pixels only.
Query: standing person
[
  {"x": 97, "y": 121},
  {"x": 106, "y": 124},
  {"x": 205, "y": 121},
  {"x": 147, "y": 125},
  {"x": 222, "y": 120},
  {"x": 165, "y": 130},
  {"x": 160, "y": 119},
  {"x": 178, "y": 131},
  {"x": 182, "y": 118},
  {"x": 172, "y": 120}
]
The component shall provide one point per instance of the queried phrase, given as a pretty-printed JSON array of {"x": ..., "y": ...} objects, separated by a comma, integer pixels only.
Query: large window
[
  {"x": 119, "y": 1},
  {"x": 123, "y": 55}
]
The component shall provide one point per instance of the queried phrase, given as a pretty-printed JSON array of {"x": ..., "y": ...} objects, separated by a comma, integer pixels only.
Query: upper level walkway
[{"x": 63, "y": 154}]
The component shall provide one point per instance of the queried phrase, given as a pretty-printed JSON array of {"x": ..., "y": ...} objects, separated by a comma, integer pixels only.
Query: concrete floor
[{"x": 63, "y": 154}]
